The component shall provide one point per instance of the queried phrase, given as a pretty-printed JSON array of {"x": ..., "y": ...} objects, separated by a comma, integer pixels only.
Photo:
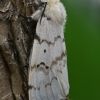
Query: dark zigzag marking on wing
[
  {"x": 32, "y": 87},
  {"x": 58, "y": 58},
  {"x": 42, "y": 63},
  {"x": 53, "y": 62},
  {"x": 48, "y": 42},
  {"x": 38, "y": 88}
]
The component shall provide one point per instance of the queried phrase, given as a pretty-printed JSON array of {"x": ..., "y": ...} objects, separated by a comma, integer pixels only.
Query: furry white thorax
[{"x": 54, "y": 10}]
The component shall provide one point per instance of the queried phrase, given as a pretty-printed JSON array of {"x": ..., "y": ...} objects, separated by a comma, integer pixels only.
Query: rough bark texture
[{"x": 16, "y": 35}]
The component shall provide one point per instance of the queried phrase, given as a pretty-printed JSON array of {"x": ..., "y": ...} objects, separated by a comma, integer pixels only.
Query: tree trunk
[{"x": 16, "y": 35}]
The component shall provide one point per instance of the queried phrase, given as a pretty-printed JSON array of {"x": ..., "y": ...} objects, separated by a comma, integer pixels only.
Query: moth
[{"x": 48, "y": 73}]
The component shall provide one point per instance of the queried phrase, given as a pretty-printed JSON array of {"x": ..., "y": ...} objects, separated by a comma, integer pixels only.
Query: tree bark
[{"x": 16, "y": 35}]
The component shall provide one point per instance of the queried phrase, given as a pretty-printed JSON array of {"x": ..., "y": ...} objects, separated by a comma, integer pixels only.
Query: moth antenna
[{"x": 43, "y": 11}]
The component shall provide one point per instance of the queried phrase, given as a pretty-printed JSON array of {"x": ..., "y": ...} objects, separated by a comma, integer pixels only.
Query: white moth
[{"x": 48, "y": 76}]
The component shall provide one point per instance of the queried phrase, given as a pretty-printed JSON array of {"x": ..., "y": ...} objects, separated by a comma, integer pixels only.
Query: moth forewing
[{"x": 48, "y": 74}]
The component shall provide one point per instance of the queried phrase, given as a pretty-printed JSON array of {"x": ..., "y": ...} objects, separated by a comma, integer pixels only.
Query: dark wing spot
[
  {"x": 38, "y": 66},
  {"x": 47, "y": 67},
  {"x": 42, "y": 63},
  {"x": 45, "y": 51},
  {"x": 48, "y": 18}
]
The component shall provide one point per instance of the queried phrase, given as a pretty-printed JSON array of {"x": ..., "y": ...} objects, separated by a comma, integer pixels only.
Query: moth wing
[{"x": 48, "y": 76}]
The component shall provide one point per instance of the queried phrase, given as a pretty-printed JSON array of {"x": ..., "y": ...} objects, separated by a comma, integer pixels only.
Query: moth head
[{"x": 50, "y": 1}]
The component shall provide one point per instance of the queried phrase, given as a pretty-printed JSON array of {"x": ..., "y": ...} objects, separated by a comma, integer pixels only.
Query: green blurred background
[{"x": 82, "y": 37}]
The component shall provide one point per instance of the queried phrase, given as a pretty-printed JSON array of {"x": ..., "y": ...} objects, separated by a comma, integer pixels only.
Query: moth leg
[
  {"x": 26, "y": 17},
  {"x": 37, "y": 14}
]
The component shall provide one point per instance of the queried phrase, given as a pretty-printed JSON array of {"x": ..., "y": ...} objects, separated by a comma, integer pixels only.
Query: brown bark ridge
[{"x": 16, "y": 35}]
